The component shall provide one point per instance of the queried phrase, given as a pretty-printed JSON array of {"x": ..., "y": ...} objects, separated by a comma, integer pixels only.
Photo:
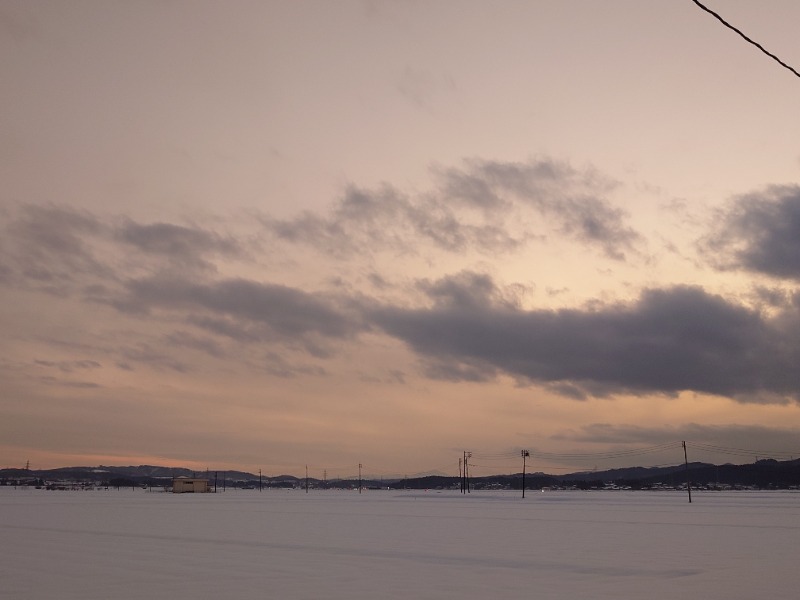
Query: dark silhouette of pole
[
  {"x": 306, "y": 479},
  {"x": 259, "y": 480},
  {"x": 525, "y": 455},
  {"x": 461, "y": 470},
  {"x": 467, "y": 456},
  {"x": 688, "y": 481},
  {"x": 359, "y": 477}
]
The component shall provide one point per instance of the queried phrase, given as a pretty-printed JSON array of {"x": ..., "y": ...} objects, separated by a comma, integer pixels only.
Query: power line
[
  {"x": 622, "y": 453},
  {"x": 756, "y": 44},
  {"x": 742, "y": 451},
  {"x": 506, "y": 459}
]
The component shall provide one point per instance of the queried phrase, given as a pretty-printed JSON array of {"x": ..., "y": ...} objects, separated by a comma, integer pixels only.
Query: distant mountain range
[{"x": 763, "y": 474}]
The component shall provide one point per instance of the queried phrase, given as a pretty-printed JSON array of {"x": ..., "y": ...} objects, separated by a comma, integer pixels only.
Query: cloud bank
[
  {"x": 759, "y": 232},
  {"x": 668, "y": 341},
  {"x": 477, "y": 207},
  {"x": 464, "y": 326}
]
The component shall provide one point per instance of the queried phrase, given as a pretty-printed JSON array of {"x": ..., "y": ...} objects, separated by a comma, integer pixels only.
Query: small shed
[{"x": 190, "y": 485}]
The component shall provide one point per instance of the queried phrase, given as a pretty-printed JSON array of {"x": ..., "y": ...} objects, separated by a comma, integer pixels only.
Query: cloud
[
  {"x": 145, "y": 353},
  {"x": 359, "y": 219},
  {"x": 66, "y": 369},
  {"x": 46, "y": 247},
  {"x": 83, "y": 385},
  {"x": 771, "y": 297},
  {"x": 278, "y": 366},
  {"x": 421, "y": 87},
  {"x": 466, "y": 327},
  {"x": 668, "y": 341},
  {"x": 183, "y": 246},
  {"x": 185, "y": 339},
  {"x": 68, "y": 366},
  {"x": 726, "y": 437},
  {"x": 572, "y": 199},
  {"x": 485, "y": 207},
  {"x": 246, "y": 310},
  {"x": 384, "y": 219},
  {"x": 454, "y": 371},
  {"x": 470, "y": 290},
  {"x": 759, "y": 232},
  {"x": 61, "y": 250},
  {"x": 164, "y": 271}
]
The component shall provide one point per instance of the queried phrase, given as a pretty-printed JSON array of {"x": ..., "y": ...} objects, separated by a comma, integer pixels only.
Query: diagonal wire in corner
[{"x": 756, "y": 44}]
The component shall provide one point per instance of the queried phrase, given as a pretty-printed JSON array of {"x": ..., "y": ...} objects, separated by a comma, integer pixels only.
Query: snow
[{"x": 288, "y": 544}]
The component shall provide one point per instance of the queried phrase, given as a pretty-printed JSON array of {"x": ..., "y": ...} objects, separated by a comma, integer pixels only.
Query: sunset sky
[{"x": 266, "y": 234}]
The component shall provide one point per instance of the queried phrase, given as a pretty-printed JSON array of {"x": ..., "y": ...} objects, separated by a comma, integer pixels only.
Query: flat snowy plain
[{"x": 132, "y": 544}]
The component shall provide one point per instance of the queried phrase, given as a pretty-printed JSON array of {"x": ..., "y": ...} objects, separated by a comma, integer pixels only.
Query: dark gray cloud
[
  {"x": 360, "y": 218},
  {"x": 454, "y": 371},
  {"x": 185, "y": 339},
  {"x": 771, "y": 297},
  {"x": 469, "y": 290},
  {"x": 572, "y": 199},
  {"x": 61, "y": 250},
  {"x": 184, "y": 246},
  {"x": 163, "y": 271},
  {"x": 465, "y": 290},
  {"x": 269, "y": 362},
  {"x": 69, "y": 366},
  {"x": 476, "y": 208},
  {"x": 127, "y": 349},
  {"x": 83, "y": 385},
  {"x": 384, "y": 219},
  {"x": 759, "y": 232},
  {"x": 279, "y": 366},
  {"x": 246, "y": 310},
  {"x": 222, "y": 325},
  {"x": 668, "y": 341},
  {"x": 147, "y": 354},
  {"x": 48, "y": 247},
  {"x": 728, "y": 438}
]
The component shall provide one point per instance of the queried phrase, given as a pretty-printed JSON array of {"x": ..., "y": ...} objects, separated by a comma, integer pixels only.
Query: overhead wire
[
  {"x": 606, "y": 455},
  {"x": 506, "y": 459},
  {"x": 742, "y": 451},
  {"x": 756, "y": 44}
]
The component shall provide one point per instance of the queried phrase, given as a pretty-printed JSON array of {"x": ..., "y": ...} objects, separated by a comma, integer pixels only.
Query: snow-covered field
[{"x": 384, "y": 544}]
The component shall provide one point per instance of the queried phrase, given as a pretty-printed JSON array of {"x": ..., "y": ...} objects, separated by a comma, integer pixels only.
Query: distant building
[{"x": 190, "y": 485}]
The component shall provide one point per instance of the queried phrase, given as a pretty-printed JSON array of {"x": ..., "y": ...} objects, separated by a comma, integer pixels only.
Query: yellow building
[{"x": 190, "y": 485}]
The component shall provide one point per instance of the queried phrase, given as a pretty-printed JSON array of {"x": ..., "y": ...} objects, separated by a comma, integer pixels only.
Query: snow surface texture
[{"x": 130, "y": 544}]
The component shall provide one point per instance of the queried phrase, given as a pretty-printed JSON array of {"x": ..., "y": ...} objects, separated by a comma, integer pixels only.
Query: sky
[{"x": 271, "y": 235}]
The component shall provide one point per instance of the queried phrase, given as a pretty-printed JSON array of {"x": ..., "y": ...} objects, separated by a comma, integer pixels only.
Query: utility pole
[
  {"x": 259, "y": 480},
  {"x": 464, "y": 473},
  {"x": 525, "y": 455},
  {"x": 306, "y": 479},
  {"x": 688, "y": 481},
  {"x": 461, "y": 472},
  {"x": 359, "y": 477},
  {"x": 467, "y": 456}
]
